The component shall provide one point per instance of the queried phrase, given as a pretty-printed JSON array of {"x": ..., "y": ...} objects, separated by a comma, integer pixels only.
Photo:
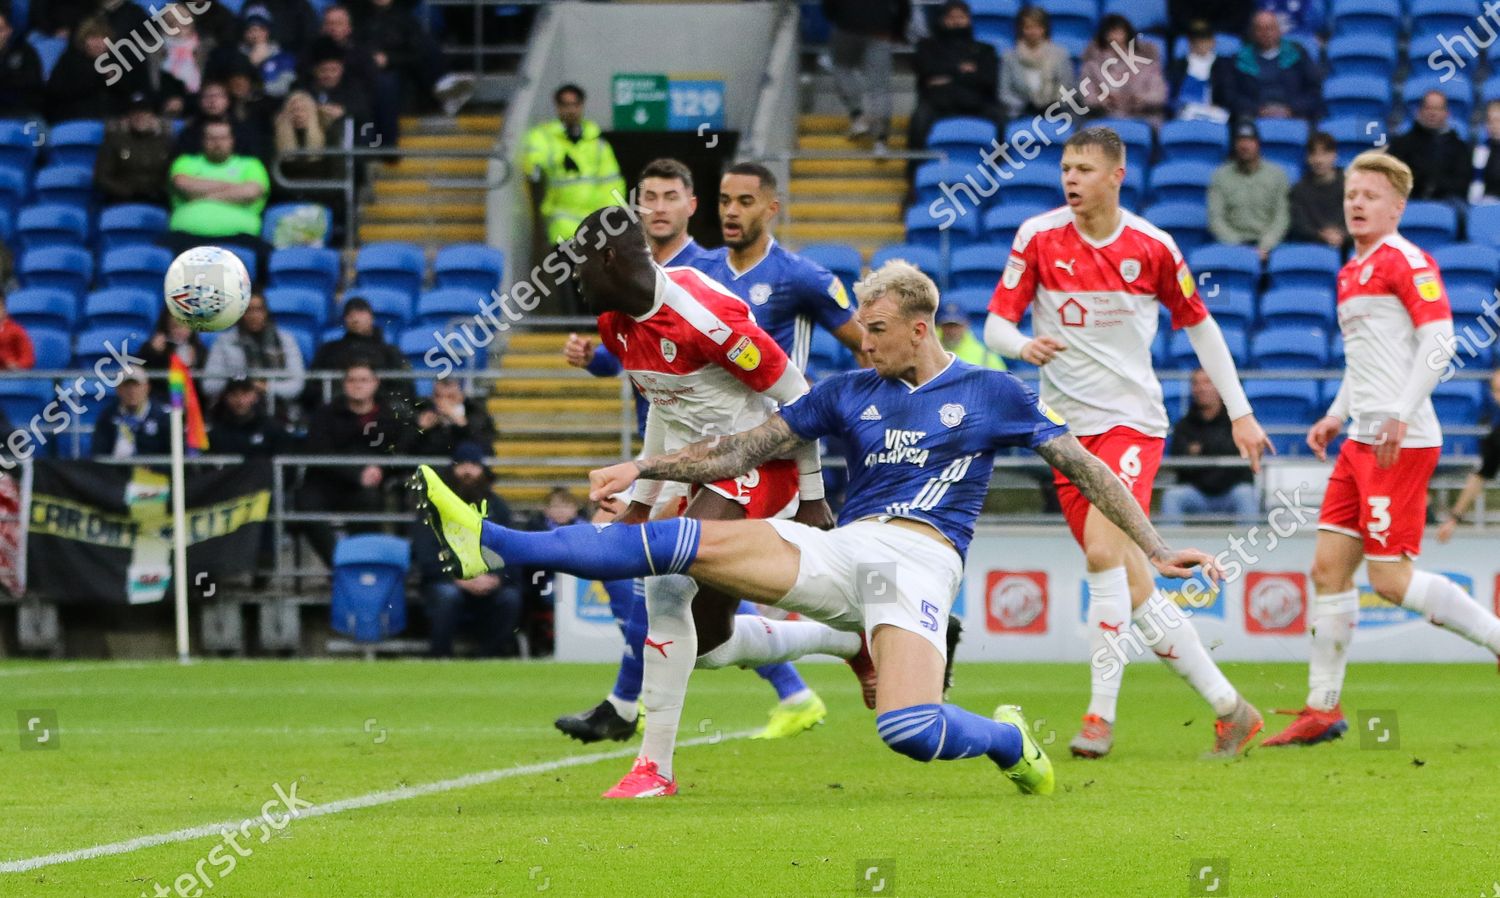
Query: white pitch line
[
  {"x": 373, "y": 799},
  {"x": 78, "y": 667}
]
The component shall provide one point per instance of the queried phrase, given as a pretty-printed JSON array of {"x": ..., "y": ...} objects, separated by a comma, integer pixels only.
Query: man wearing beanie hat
[
  {"x": 132, "y": 163},
  {"x": 1248, "y": 198},
  {"x": 363, "y": 340},
  {"x": 956, "y": 74}
]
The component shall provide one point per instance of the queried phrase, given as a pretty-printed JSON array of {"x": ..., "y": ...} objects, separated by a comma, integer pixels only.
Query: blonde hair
[
  {"x": 289, "y": 137},
  {"x": 903, "y": 283},
  {"x": 1380, "y": 163}
]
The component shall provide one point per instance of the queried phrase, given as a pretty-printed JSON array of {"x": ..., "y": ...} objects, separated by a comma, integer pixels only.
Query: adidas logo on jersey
[{"x": 870, "y": 414}]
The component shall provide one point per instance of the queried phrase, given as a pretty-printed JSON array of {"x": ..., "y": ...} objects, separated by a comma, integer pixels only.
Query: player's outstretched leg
[
  {"x": 1446, "y": 605},
  {"x": 617, "y": 716}
]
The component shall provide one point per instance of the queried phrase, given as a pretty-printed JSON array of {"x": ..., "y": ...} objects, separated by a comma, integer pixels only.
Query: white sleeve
[
  {"x": 653, "y": 442},
  {"x": 1434, "y": 351},
  {"x": 791, "y": 386},
  {"x": 1339, "y": 408},
  {"x": 1004, "y": 337},
  {"x": 1218, "y": 364}
]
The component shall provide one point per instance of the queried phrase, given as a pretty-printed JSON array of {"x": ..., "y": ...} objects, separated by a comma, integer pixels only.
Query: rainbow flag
[{"x": 185, "y": 397}]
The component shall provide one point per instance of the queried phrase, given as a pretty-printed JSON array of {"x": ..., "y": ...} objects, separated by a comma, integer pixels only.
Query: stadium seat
[
  {"x": 1147, "y": 15},
  {"x": 42, "y": 307},
  {"x": 1450, "y": 17},
  {"x": 471, "y": 266},
  {"x": 131, "y": 224},
  {"x": 1181, "y": 182},
  {"x": 1189, "y": 141},
  {"x": 391, "y": 265},
  {"x": 1133, "y": 188},
  {"x": 975, "y": 301},
  {"x": 839, "y": 258},
  {"x": 247, "y": 258},
  {"x": 1047, "y": 137},
  {"x": 122, "y": 307},
  {"x": 931, "y": 176},
  {"x": 67, "y": 268},
  {"x": 1430, "y": 224},
  {"x": 392, "y": 307},
  {"x": 977, "y": 266},
  {"x": 440, "y": 307},
  {"x": 142, "y": 267},
  {"x": 75, "y": 143},
  {"x": 65, "y": 185},
  {"x": 1073, "y": 21},
  {"x": 1370, "y": 55},
  {"x": 1284, "y": 142},
  {"x": 51, "y": 224},
  {"x": 1221, "y": 267},
  {"x": 1468, "y": 306},
  {"x": 1459, "y": 445},
  {"x": 369, "y": 586},
  {"x": 18, "y": 143},
  {"x": 1180, "y": 352},
  {"x": 1299, "y": 307},
  {"x": 305, "y": 266},
  {"x": 1284, "y": 401},
  {"x": 14, "y": 187},
  {"x": 826, "y": 355},
  {"x": 921, "y": 256},
  {"x": 923, "y": 229},
  {"x": 1380, "y": 18},
  {"x": 306, "y": 339},
  {"x": 1458, "y": 90},
  {"x": 22, "y": 400},
  {"x": 1137, "y": 136},
  {"x": 1458, "y": 402},
  {"x": 963, "y": 138},
  {"x": 1471, "y": 265},
  {"x": 1357, "y": 96},
  {"x": 1231, "y": 308},
  {"x": 53, "y": 348},
  {"x": 1186, "y": 222},
  {"x": 49, "y": 49},
  {"x": 1033, "y": 185},
  {"x": 995, "y": 23},
  {"x": 1354, "y": 135},
  {"x": 1420, "y": 49},
  {"x": 1484, "y": 225},
  {"x": 1174, "y": 397},
  {"x": 1290, "y": 347},
  {"x": 1302, "y": 265},
  {"x": 415, "y": 343},
  {"x": 1002, "y": 222},
  {"x": 93, "y": 345},
  {"x": 297, "y": 307}
]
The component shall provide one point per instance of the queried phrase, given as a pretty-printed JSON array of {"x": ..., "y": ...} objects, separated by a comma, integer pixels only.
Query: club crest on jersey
[
  {"x": 1014, "y": 268},
  {"x": 760, "y": 294},
  {"x": 745, "y": 354},
  {"x": 1427, "y": 286},
  {"x": 951, "y": 414},
  {"x": 1130, "y": 269},
  {"x": 1366, "y": 273},
  {"x": 838, "y": 294},
  {"x": 668, "y": 349}
]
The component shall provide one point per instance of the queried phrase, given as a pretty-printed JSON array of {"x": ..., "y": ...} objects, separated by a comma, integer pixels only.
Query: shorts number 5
[{"x": 929, "y": 616}]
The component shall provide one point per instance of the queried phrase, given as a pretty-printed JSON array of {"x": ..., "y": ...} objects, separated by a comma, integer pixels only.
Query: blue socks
[
  {"x": 627, "y": 599},
  {"x": 610, "y": 552},
  {"x": 948, "y": 733}
]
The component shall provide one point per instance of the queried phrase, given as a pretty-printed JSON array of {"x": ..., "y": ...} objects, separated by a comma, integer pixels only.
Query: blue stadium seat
[
  {"x": 1371, "y": 55},
  {"x": 977, "y": 266},
  {"x": 925, "y": 230},
  {"x": 1430, "y": 224},
  {"x": 51, "y": 224},
  {"x": 1047, "y": 137},
  {"x": 931, "y": 176},
  {"x": 75, "y": 143},
  {"x": 53, "y": 348},
  {"x": 1354, "y": 135},
  {"x": 921, "y": 256},
  {"x": 1186, "y": 222},
  {"x": 41, "y": 307},
  {"x": 1147, "y": 15},
  {"x": 18, "y": 143},
  {"x": 391, "y": 265},
  {"x": 440, "y": 307},
  {"x": 66, "y": 185},
  {"x": 142, "y": 267},
  {"x": 1226, "y": 268},
  {"x": 305, "y": 266},
  {"x": 122, "y": 307},
  {"x": 15, "y": 185},
  {"x": 975, "y": 301},
  {"x": 307, "y": 340},
  {"x": 22, "y": 400},
  {"x": 1484, "y": 224},
  {"x": 995, "y": 23},
  {"x": 1002, "y": 222},
  {"x": 1290, "y": 347},
  {"x": 1299, "y": 307},
  {"x": 49, "y": 49},
  {"x": 93, "y": 345},
  {"x": 1174, "y": 397},
  {"x": 1420, "y": 49},
  {"x": 1303, "y": 265},
  {"x": 1380, "y": 18},
  {"x": 1433, "y": 17},
  {"x": 1458, "y": 402},
  {"x": 1137, "y": 136},
  {"x": 1072, "y": 20},
  {"x": 1458, "y": 90},
  {"x": 1133, "y": 188},
  {"x": 131, "y": 224},
  {"x": 1185, "y": 141},
  {"x": 1473, "y": 265},
  {"x": 67, "y": 268},
  {"x": 1357, "y": 96},
  {"x": 1180, "y": 353},
  {"x": 1034, "y": 185},
  {"x": 391, "y": 306},
  {"x": 1181, "y": 182},
  {"x": 1489, "y": 91},
  {"x": 839, "y": 258},
  {"x": 472, "y": 266},
  {"x": 1231, "y": 308},
  {"x": 826, "y": 355},
  {"x": 1284, "y": 401},
  {"x": 369, "y": 586},
  {"x": 297, "y": 307},
  {"x": 247, "y": 258},
  {"x": 1284, "y": 142},
  {"x": 963, "y": 138},
  {"x": 1468, "y": 306}
]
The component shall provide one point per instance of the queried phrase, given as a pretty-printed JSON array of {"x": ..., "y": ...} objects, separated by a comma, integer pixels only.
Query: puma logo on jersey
[
  {"x": 1065, "y": 266},
  {"x": 870, "y": 414},
  {"x": 621, "y": 338}
]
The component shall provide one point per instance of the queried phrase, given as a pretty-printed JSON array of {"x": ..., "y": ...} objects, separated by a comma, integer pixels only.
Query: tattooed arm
[
  {"x": 1105, "y": 492},
  {"x": 716, "y": 458}
]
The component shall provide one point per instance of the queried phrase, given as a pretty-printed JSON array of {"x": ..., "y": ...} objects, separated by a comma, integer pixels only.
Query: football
[{"x": 207, "y": 288}]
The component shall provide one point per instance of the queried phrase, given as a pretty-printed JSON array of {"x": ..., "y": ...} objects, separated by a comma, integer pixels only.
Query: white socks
[
  {"x": 760, "y": 640},
  {"x": 1174, "y": 639},
  {"x": 1446, "y": 605},
  {"x": 626, "y": 710},
  {"x": 1333, "y": 619},
  {"x": 671, "y": 647},
  {"x": 1108, "y": 621}
]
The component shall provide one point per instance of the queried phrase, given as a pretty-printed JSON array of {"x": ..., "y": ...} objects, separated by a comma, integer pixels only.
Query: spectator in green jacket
[
  {"x": 958, "y": 338},
  {"x": 1248, "y": 196},
  {"x": 217, "y": 196}
]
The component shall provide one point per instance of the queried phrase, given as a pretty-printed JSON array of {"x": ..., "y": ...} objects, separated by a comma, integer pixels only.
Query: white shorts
[{"x": 865, "y": 574}]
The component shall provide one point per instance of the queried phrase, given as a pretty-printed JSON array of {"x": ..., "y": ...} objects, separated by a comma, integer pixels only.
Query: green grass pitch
[{"x": 146, "y": 749}]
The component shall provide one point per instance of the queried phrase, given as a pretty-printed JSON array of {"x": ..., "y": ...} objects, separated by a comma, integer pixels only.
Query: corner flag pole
[{"x": 179, "y": 534}]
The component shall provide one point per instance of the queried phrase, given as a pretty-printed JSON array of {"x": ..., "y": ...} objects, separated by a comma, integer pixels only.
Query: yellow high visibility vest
[{"x": 592, "y": 181}]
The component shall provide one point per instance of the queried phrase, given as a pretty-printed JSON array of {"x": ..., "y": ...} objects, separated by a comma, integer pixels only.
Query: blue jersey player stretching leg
[{"x": 922, "y": 429}]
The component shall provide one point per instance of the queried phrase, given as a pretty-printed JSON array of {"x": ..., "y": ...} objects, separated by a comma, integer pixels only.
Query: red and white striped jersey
[
  {"x": 1384, "y": 296},
  {"x": 698, "y": 357},
  {"x": 1100, "y": 299}
]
